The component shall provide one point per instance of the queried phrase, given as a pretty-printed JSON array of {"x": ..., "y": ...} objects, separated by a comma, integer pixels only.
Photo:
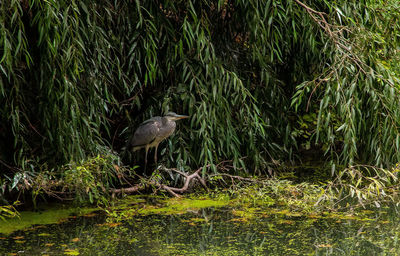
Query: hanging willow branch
[
  {"x": 335, "y": 33},
  {"x": 350, "y": 88}
]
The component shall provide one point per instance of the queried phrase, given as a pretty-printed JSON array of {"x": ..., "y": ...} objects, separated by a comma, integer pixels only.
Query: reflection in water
[{"x": 208, "y": 232}]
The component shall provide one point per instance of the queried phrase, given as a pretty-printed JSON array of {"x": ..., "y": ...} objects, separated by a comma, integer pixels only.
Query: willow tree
[{"x": 261, "y": 80}]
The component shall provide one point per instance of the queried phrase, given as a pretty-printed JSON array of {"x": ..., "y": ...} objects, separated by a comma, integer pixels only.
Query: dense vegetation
[{"x": 265, "y": 82}]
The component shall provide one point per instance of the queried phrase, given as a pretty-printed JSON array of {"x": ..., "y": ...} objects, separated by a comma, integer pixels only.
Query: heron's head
[{"x": 174, "y": 116}]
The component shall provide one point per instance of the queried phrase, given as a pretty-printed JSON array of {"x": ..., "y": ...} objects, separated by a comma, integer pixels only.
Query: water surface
[{"x": 211, "y": 231}]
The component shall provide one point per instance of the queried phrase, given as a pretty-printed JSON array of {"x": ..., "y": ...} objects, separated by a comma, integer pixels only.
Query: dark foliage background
[{"x": 263, "y": 81}]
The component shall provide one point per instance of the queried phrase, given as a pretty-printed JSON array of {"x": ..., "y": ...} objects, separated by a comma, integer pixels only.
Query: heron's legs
[
  {"x": 155, "y": 155},
  {"x": 145, "y": 157}
]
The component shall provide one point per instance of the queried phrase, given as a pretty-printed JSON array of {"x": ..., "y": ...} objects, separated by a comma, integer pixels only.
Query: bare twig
[{"x": 9, "y": 166}]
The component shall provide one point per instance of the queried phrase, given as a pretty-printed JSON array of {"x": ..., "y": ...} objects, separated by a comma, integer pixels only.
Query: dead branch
[
  {"x": 189, "y": 178},
  {"x": 129, "y": 190},
  {"x": 172, "y": 190}
]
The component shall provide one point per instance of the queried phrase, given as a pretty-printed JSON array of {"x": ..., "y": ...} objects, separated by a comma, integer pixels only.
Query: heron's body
[{"x": 151, "y": 132}]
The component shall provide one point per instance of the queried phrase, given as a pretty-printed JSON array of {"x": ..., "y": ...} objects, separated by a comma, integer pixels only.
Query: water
[{"x": 211, "y": 231}]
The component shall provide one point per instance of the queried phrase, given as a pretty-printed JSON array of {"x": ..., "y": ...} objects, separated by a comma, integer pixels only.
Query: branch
[
  {"x": 173, "y": 191},
  {"x": 132, "y": 189},
  {"x": 194, "y": 175},
  {"x": 319, "y": 18}
]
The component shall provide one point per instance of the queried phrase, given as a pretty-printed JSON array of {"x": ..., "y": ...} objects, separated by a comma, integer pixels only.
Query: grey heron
[{"x": 151, "y": 132}]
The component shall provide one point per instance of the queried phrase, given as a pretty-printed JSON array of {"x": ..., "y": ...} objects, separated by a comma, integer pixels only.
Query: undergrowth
[
  {"x": 90, "y": 182},
  {"x": 351, "y": 189}
]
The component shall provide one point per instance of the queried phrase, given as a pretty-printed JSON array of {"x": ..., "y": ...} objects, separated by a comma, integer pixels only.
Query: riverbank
[{"x": 246, "y": 198}]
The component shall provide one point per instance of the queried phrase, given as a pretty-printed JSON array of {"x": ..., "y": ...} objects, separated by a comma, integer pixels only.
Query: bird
[{"x": 151, "y": 132}]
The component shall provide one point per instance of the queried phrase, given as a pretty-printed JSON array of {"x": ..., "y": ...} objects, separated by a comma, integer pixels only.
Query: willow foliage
[
  {"x": 358, "y": 86},
  {"x": 261, "y": 80}
]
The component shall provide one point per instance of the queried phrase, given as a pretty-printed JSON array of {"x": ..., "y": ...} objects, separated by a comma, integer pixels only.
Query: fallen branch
[
  {"x": 172, "y": 190},
  {"x": 129, "y": 190},
  {"x": 189, "y": 178}
]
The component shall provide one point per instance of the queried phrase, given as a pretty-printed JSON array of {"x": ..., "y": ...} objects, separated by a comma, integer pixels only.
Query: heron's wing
[
  {"x": 151, "y": 120},
  {"x": 145, "y": 133}
]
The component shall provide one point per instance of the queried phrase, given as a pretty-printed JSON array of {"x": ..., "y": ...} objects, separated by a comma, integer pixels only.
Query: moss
[
  {"x": 49, "y": 215},
  {"x": 182, "y": 205}
]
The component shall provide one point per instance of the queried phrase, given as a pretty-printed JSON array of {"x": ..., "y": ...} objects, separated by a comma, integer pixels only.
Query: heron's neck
[{"x": 166, "y": 121}]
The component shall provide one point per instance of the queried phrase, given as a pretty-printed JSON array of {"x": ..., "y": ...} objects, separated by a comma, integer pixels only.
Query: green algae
[
  {"x": 246, "y": 214},
  {"x": 166, "y": 206},
  {"x": 185, "y": 204},
  {"x": 251, "y": 203},
  {"x": 244, "y": 207},
  {"x": 205, "y": 225},
  {"x": 50, "y": 215}
]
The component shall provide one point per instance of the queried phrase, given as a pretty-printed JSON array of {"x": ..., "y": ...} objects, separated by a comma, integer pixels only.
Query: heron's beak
[{"x": 181, "y": 117}]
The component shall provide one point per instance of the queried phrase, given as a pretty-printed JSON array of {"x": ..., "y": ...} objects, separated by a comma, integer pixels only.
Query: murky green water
[{"x": 211, "y": 231}]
